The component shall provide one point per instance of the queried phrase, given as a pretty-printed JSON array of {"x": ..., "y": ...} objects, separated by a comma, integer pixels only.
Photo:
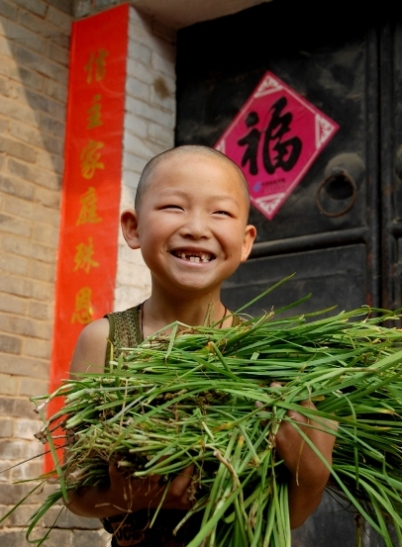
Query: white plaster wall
[{"x": 148, "y": 130}]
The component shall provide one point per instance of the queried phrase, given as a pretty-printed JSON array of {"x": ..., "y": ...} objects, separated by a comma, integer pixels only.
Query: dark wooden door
[
  {"x": 390, "y": 203},
  {"x": 343, "y": 239},
  {"x": 337, "y": 62}
]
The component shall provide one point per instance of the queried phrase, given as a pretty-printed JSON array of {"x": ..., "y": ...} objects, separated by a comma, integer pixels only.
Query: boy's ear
[
  {"x": 249, "y": 237},
  {"x": 129, "y": 225}
]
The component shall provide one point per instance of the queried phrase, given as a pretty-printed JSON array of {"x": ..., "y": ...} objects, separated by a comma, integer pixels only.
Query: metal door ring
[{"x": 344, "y": 177}]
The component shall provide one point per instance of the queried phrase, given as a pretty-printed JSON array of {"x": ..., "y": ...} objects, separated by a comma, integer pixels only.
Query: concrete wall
[{"x": 34, "y": 48}]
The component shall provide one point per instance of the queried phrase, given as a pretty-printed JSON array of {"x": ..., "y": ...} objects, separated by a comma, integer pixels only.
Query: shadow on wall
[{"x": 34, "y": 46}]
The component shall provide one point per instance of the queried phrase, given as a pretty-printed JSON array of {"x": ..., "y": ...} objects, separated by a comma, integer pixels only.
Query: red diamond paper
[{"x": 274, "y": 139}]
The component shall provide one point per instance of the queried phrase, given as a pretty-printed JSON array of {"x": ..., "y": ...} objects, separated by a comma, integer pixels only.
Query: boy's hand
[
  {"x": 309, "y": 474},
  {"x": 126, "y": 495},
  {"x": 132, "y": 494}
]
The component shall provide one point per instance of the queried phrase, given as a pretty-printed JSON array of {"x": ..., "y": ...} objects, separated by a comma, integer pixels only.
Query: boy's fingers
[
  {"x": 180, "y": 484},
  {"x": 114, "y": 473},
  {"x": 188, "y": 471},
  {"x": 307, "y": 404}
]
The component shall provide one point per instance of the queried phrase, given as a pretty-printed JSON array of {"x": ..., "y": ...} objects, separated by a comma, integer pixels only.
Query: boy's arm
[
  {"x": 90, "y": 351},
  {"x": 123, "y": 494},
  {"x": 309, "y": 474}
]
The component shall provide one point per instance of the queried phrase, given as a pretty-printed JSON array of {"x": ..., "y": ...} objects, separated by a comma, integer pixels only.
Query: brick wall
[{"x": 34, "y": 42}]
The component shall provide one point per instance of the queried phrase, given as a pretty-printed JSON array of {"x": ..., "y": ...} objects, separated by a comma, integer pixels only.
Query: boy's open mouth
[{"x": 194, "y": 256}]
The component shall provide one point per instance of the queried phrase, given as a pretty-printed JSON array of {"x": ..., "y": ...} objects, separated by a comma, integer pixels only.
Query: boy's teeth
[{"x": 191, "y": 257}]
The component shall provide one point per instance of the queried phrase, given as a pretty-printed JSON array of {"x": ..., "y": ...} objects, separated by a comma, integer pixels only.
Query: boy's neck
[{"x": 161, "y": 310}]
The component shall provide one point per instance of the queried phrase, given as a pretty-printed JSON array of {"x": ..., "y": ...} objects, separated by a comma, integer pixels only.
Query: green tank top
[{"x": 124, "y": 332}]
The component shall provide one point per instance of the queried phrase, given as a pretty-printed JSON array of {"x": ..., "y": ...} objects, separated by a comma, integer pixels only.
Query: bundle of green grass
[{"x": 203, "y": 396}]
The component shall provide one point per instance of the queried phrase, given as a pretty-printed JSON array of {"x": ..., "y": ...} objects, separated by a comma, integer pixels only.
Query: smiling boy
[{"x": 190, "y": 222}]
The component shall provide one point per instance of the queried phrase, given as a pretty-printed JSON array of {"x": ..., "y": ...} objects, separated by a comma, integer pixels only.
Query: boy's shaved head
[{"x": 188, "y": 149}]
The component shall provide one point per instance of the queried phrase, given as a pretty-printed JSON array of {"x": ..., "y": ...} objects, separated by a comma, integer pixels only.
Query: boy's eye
[
  {"x": 225, "y": 213},
  {"x": 171, "y": 206}
]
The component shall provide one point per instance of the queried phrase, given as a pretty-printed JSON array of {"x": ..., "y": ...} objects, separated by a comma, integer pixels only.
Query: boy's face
[{"x": 192, "y": 225}]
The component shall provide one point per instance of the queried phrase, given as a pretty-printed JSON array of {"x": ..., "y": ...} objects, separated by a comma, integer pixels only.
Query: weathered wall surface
[{"x": 34, "y": 49}]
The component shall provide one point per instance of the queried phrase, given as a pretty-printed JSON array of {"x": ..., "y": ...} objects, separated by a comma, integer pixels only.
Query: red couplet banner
[{"x": 91, "y": 186}]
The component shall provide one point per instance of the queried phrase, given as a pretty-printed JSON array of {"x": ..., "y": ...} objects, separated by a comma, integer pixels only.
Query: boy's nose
[{"x": 196, "y": 226}]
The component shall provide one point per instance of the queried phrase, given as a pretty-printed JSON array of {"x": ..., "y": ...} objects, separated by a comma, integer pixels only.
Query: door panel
[{"x": 334, "y": 276}]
